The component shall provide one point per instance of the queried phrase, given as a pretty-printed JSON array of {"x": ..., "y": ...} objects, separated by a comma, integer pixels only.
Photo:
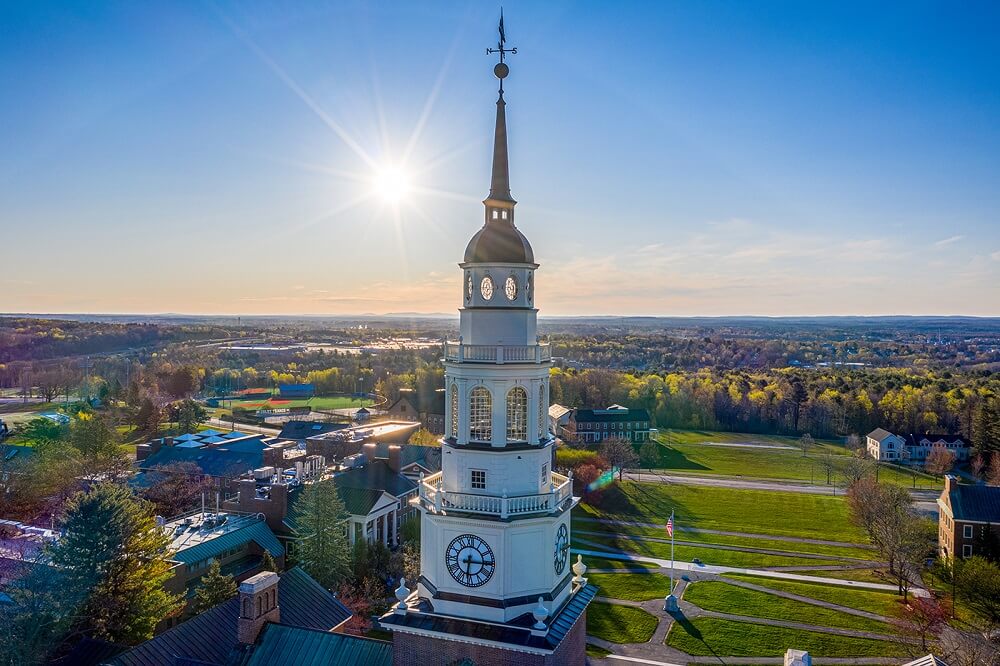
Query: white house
[{"x": 884, "y": 445}]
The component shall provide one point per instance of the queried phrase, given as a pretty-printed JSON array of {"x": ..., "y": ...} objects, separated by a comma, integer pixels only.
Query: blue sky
[{"x": 697, "y": 158}]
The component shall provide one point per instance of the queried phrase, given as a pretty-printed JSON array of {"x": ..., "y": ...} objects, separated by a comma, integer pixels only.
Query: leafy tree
[
  {"x": 190, "y": 415},
  {"x": 424, "y": 437},
  {"x": 182, "y": 382},
  {"x": 114, "y": 557},
  {"x": 649, "y": 454},
  {"x": 148, "y": 416},
  {"x": 99, "y": 445},
  {"x": 40, "y": 430},
  {"x": 39, "y": 613},
  {"x": 321, "y": 540},
  {"x": 214, "y": 588},
  {"x": 978, "y": 584}
]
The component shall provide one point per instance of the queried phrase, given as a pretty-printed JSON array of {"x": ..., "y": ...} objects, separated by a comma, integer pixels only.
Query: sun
[{"x": 391, "y": 184}]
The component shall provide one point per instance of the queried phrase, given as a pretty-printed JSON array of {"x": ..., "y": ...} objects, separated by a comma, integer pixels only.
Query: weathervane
[{"x": 501, "y": 70}]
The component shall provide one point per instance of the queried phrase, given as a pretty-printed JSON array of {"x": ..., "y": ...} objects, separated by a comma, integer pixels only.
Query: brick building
[{"x": 968, "y": 520}]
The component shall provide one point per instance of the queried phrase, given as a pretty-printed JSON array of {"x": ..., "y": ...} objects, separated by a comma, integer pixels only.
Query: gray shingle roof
[
  {"x": 879, "y": 434},
  {"x": 375, "y": 475},
  {"x": 212, "y": 462},
  {"x": 211, "y": 636},
  {"x": 610, "y": 416}
]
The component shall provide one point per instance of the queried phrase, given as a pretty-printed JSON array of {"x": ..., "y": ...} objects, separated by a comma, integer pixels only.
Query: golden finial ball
[{"x": 501, "y": 70}]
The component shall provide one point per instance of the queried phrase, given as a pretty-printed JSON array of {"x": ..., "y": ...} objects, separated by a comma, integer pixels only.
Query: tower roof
[{"x": 499, "y": 241}]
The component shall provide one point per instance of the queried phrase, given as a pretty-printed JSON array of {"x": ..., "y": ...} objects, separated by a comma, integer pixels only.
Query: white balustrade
[
  {"x": 463, "y": 353},
  {"x": 438, "y": 500}
]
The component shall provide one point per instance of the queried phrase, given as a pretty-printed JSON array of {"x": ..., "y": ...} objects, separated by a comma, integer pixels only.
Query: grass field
[
  {"x": 880, "y": 603},
  {"x": 715, "y": 637},
  {"x": 726, "y": 540},
  {"x": 619, "y": 624},
  {"x": 729, "y": 558},
  {"x": 632, "y": 586},
  {"x": 685, "y": 451},
  {"x": 726, "y": 598},
  {"x": 316, "y": 403},
  {"x": 866, "y": 575},
  {"x": 754, "y": 511}
]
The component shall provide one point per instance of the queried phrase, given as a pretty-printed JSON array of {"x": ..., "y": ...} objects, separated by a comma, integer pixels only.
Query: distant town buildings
[
  {"x": 884, "y": 445},
  {"x": 430, "y": 417},
  {"x": 968, "y": 519},
  {"x": 591, "y": 426}
]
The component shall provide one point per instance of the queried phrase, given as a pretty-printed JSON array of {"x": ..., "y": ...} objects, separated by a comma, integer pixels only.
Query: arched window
[
  {"x": 542, "y": 411},
  {"x": 480, "y": 414},
  {"x": 517, "y": 415},
  {"x": 454, "y": 411}
]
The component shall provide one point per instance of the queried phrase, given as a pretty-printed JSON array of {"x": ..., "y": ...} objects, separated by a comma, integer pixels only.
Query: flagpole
[{"x": 670, "y": 602}]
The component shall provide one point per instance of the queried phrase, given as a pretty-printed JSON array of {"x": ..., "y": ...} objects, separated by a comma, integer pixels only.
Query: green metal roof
[
  {"x": 257, "y": 531},
  {"x": 282, "y": 645}
]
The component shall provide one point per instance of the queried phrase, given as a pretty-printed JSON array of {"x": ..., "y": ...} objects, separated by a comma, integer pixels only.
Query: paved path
[
  {"x": 749, "y": 445},
  {"x": 746, "y": 535},
  {"x": 717, "y": 569},
  {"x": 741, "y": 549},
  {"x": 243, "y": 427}
]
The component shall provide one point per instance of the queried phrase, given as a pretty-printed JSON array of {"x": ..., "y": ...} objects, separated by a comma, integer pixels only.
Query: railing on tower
[
  {"x": 499, "y": 354},
  {"x": 434, "y": 498}
]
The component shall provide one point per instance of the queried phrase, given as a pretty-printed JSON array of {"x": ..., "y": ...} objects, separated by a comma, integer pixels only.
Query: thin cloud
[{"x": 948, "y": 241}]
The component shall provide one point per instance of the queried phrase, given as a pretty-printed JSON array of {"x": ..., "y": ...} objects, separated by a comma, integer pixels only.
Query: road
[{"x": 924, "y": 501}]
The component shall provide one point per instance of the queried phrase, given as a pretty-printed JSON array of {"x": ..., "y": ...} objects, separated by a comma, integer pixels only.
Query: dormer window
[
  {"x": 496, "y": 213},
  {"x": 503, "y": 214}
]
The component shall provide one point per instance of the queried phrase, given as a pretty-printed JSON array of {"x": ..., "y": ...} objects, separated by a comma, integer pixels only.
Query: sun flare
[{"x": 391, "y": 184}]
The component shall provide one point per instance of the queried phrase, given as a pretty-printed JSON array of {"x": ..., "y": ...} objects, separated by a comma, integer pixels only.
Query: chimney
[
  {"x": 949, "y": 482},
  {"x": 395, "y": 457},
  {"x": 369, "y": 451},
  {"x": 258, "y": 605},
  {"x": 278, "y": 509},
  {"x": 248, "y": 493}
]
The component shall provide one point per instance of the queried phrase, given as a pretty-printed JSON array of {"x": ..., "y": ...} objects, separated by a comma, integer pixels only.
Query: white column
[
  {"x": 532, "y": 406},
  {"x": 385, "y": 529},
  {"x": 463, "y": 411},
  {"x": 499, "y": 390}
]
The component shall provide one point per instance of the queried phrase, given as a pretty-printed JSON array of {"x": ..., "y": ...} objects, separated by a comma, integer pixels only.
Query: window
[
  {"x": 496, "y": 214},
  {"x": 479, "y": 479},
  {"x": 454, "y": 410},
  {"x": 966, "y": 551},
  {"x": 545, "y": 473},
  {"x": 504, "y": 215},
  {"x": 966, "y": 531},
  {"x": 542, "y": 412},
  {"x": 481, "y": 414},
  {"x": 517, "y": 415}
]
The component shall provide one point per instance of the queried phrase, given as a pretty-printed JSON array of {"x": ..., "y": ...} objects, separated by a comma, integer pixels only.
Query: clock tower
[{"x": 495, "y": 522}]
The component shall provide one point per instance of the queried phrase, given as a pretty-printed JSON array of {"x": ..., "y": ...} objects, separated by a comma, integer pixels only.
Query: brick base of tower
[{"x": 416, "y": 650}]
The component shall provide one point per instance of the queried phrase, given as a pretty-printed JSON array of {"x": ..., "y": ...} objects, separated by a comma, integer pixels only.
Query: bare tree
[
  {"x": 940, "y": 460},
  {"x": 828, "y": 463},
  {"x": 619, "y": 453},
  {"x": 854, "y": 443},
  {"x": 855, "y": 469},
  {"x": 922, "y": 618},
  {"x": 806, "y": 442}
]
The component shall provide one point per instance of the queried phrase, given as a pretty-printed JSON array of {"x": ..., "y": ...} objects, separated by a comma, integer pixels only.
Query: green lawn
[
  {"x": 684, "y": 451},
  {"x": 729, "y": 558},
  {"x": 715, "y": 637},
  {"x": 580, "y": 526},
  {"x": 318, "y": 402},
  {"x": 620, "y": 624},
  {"x": 753, "y": 511},
  {"x": 873, "y": 601},
  {"x": 726, "y": 598},
  {"x": 632, "y": 586},
  {"x": 601, "y": 563}
]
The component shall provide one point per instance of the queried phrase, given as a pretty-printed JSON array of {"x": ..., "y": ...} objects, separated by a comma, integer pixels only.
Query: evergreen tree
[
  {"x": 214, "y": 588},
  {"x": 267, "y": 562},
  {"x": 190, "y": 415},
  {"x": 114, "y": 556},
  {"x": 322, "y": 543}
]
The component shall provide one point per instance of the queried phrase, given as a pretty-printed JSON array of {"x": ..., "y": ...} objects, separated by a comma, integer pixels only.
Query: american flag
[{"x": 670, "y": 525}]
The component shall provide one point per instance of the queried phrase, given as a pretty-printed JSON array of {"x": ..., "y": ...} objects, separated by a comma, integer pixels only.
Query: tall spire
[{"x": 500, "y": 181}]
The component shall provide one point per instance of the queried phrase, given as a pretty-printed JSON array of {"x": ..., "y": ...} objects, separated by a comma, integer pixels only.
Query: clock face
[
  {"x": 486, "y": 288},
  {"x": 510, "y": 288},
  {"x": 470, "y": 560},
  {"x": 561, "y": 553},
  {"x": 468, "y": 287}
]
